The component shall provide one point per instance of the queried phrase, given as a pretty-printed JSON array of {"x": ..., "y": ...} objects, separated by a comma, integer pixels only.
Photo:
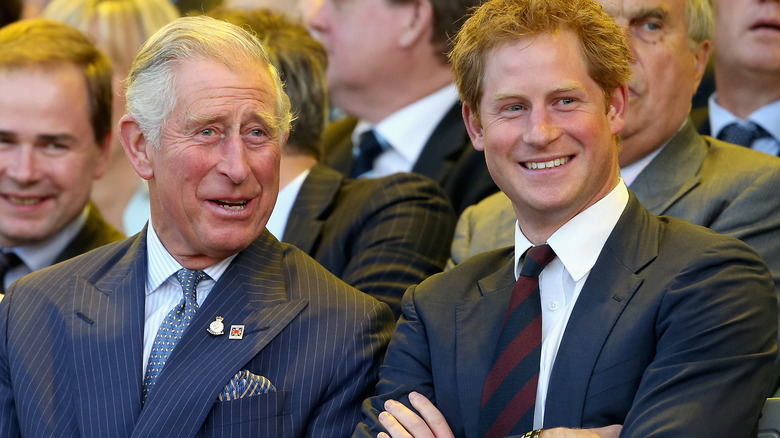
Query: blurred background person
[
  {"x": 379, "y": 235},
  {"x": 55, "y": 119},
  {"x": 387, "y": 69},
  {"x": 745, "y": 109},
  {"x": 118, "y": 28}
]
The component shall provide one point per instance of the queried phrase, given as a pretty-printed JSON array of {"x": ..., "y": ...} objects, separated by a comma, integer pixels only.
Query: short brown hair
[
  {"x": 42, "y": 43},
  {"x": 301, "y": 61},
  {"x": 497, "y": 22}
]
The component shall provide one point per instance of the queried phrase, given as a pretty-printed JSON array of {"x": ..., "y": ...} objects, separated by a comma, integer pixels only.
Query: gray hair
[
  {"x": 700, "y": 19},
  {"x": 150, "y": 89}
]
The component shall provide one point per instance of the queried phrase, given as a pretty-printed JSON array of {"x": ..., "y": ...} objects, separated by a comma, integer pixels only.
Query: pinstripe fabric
[
  {"x": 379, "y": 235},
  {"x": 315, "y": 338}
]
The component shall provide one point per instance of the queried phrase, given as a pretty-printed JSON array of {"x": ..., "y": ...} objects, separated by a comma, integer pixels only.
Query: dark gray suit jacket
[
  {"x": 673, "y": 335},
  {"x": 72, "y": 337},
  {"x": 448, "y": 158},
  {"x": 95, "y": 233},
  {"x": 379, "y": 235}
]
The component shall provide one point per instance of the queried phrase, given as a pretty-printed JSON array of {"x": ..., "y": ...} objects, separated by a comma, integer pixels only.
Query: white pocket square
[{"x": 245, "y": 384}]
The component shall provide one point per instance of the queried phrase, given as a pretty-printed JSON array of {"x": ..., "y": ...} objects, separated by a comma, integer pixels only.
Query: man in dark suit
[
  {"x": 745, "y": 108},
  {"x": 203, "y": 324},
  {"x": 55, "y": 105},
  {"x": 620, "y": 322},
  {"x": 388, "y": 70},
  {"x": 380, "y": 235}
]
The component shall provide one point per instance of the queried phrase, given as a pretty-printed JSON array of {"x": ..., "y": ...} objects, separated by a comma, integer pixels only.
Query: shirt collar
[
  {"x": 579, "y": 241},
  {"x": 408, "y": 129},
  {"x": 161, "y": 264},
  {"x": 767, "y": 117},
  {"x": 42, "y": 254},
  {"x": 277, "y": 223}
]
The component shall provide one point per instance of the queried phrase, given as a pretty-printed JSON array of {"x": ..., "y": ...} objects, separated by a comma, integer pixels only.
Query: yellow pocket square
[{"x": 245, "y": 384}]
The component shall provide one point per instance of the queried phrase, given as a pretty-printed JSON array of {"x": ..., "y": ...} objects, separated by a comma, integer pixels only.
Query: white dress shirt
[
  {"x": 404, "y": 133},
  {"x": 767, "y": 117},
  {"x": 577, "y": 245},
  {"x": 163, "y": 290},
  {"x": 285, "y": 200}
]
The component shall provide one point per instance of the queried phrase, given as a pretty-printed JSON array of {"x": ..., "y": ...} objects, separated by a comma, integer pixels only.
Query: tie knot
[
  {"x": 189, "y": 280},
  {"x": 369, "y": 149},
  {"x": 9, "y": 260},
  {"x": 742, "y": 134},
  {"x": 536, "y": 259}
]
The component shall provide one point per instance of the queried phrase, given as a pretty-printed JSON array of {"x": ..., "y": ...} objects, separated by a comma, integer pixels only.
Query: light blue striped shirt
[{"x": 163, "y": 290}]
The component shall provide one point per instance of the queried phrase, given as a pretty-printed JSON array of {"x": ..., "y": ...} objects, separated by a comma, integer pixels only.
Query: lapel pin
[
  {"x": 236, "y": 332},
  {"x": 216, "y": 327}
]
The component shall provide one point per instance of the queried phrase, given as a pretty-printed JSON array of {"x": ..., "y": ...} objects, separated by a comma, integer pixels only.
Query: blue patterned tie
[
  {"x": 172, "y": 328},
  {"x": 743, "y": 135}
]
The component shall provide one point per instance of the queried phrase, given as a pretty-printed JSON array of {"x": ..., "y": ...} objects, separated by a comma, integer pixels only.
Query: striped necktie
[{"x": 509, "y": 394}]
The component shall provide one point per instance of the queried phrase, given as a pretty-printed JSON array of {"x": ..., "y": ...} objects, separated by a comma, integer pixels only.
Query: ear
[
  {"x": 701, "y": 54},
  {"x": 136, "y": 146},
  {"x": 416, "y": 22},
  {"x": 474, "y": 128},
  {"x": 104, "y": 153},
  {"x": 618, "y": 106}
]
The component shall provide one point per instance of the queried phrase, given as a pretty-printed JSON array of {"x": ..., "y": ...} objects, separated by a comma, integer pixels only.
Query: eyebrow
[{"x": 651, "y": 12}]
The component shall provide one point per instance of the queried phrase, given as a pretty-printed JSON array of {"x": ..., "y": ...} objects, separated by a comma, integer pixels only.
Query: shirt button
[{"x": 553, "y": 305}]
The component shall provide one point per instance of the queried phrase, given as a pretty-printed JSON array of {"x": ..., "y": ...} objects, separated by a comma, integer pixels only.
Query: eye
[
  {"x": 257, "y": 132},
  {"x": 515, "y": 107},
  {"x": 566, "y": 100},
  {"x": 208, "y": 132},
  {"x": 651, "y": 26}
]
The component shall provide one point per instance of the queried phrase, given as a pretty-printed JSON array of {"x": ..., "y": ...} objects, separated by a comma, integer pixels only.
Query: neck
[
  {"x": 293, "y": 165},
  {"x": 387, "y": 97},
  {"x": 742, "y": 92}
]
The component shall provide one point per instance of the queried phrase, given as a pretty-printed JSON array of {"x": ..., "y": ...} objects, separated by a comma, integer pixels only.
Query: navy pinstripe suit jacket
[
  {"x": 72, "y": 334},
  {"x": 380, "y": 235}
]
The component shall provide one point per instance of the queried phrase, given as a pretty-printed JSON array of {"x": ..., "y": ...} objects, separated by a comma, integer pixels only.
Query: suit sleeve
[
  {"x": 715, "y": 344},
  {"x": 9, "y": 424},
  {"x": 354, "y": 380},
  {"x": 404, "y": 239},
  {"x": 406, "y": 368}
]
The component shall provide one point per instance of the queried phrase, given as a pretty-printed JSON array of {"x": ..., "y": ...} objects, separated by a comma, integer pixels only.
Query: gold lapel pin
[{"x": 216, "y": 327}]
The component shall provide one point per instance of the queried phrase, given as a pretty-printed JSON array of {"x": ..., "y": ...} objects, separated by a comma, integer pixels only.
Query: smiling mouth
[
  {"x": 231, "y": 205},
  {"x": 534, "y": 165},
  {"x": 23, "y": 201}
]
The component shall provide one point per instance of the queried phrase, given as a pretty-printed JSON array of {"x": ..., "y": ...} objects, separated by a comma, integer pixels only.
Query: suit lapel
[
  {"x": 673, "y": 173},
  {"x": 252, "y": 293},
  {"x": 482, "y": 317},
  {"x": 107, "y": 336},
  {"x": 317, "y": 195},
  {"x": 444, "y": 146},
  {"x": 610, "y": 286}
]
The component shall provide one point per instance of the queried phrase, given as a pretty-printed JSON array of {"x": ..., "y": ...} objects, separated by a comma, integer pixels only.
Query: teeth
[
  {"x": 547, "y": 164},
  {"x": 24, "y": 201},
  {"x": 230, "y": 205}
]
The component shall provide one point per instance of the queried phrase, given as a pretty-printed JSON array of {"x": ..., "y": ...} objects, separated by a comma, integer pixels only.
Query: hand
[
  {"x": 612, "y": 431},
  {"x": 401, "y": 422}
]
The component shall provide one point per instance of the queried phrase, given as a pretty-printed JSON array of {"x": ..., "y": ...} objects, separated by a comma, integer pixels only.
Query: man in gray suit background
[
  {"x": 55, "y": 121},
  {"x": 203, "y": 324},
  {"x": 671, "y": 169}
]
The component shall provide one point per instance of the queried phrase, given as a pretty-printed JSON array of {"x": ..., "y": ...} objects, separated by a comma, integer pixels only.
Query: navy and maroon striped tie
[{"x": 508, "y": 398}]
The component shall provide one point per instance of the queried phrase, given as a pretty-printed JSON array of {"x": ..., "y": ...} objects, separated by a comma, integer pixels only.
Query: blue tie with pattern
[{"x": 172, "y": 328}]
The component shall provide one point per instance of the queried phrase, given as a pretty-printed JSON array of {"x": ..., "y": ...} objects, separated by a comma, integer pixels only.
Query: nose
[
  {"x": 22, "y": 165},
  {"x": 316, "y": 16},
  {"x": 540, "y": 131},
  {"x": 233, "y": 163}
]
